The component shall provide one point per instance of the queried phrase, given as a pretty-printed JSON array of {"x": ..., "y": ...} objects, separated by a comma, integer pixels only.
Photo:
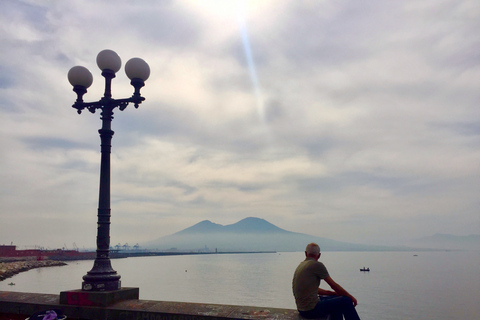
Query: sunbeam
[{"x": 251, "y": 68}]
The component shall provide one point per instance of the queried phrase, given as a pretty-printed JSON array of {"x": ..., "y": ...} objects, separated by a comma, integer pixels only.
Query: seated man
[{"x": 305, "y": 285}]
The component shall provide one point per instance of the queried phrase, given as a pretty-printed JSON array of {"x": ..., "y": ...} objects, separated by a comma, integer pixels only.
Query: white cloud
[{"x": 363, "y": 120}]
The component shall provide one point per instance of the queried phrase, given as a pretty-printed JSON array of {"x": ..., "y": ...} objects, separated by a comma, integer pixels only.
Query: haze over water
[{"x": 433, "y": 285}]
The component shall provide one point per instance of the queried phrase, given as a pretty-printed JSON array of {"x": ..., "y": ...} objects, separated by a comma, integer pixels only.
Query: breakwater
[{"x": 9, "y": 269}]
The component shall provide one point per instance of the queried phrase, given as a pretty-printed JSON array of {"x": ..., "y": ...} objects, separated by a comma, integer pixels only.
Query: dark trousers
[{"x": 335, "y": 306}]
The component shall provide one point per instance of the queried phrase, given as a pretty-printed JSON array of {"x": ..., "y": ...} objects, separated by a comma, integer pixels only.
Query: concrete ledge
[
  {"x": 25, "y": 304},
  {"x": 98, "y": 299}
]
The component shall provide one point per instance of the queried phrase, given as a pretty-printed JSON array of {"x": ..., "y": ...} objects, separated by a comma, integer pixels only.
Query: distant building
[{"x": 11, "y": 251}]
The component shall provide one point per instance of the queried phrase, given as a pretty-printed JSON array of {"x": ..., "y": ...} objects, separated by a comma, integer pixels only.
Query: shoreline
[{"x": 11, "y": 268}]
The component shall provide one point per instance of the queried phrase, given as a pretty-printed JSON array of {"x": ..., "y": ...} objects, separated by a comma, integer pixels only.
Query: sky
[{"x": 354, "y": 121}]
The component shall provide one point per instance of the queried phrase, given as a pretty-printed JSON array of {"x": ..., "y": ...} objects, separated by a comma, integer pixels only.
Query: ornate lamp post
[{"x": 102, "y": 277}]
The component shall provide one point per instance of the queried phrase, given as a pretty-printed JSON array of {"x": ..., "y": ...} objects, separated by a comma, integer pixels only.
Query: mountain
[
  {"x": 249, "y": 234},
  {"x": 247, "y": 225},
  {"x": 205, "y": 226},
  {"x": 448, "y": 242}
]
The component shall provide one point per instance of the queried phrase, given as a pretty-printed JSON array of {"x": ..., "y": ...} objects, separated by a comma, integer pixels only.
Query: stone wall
[{"x": 18, "y": 305}]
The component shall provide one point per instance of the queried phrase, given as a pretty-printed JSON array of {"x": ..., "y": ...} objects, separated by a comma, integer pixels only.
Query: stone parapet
[{"x": 19, "y": 305}]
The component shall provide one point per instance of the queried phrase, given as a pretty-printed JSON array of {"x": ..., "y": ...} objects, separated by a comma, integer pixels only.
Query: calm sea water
[{"x": 430, "y": 286}]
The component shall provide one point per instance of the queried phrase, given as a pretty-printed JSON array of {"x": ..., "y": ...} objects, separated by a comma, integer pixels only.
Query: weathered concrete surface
[
  {"x": 98, "y": 299},
  {"x": 13, "y": 304}
]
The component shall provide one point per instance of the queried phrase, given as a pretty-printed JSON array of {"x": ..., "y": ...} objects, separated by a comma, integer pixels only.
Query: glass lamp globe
[
  {"x": 109, "y": 59},
  {"x": 137, "y": 68},
  {"x": 80, "y": 76}
]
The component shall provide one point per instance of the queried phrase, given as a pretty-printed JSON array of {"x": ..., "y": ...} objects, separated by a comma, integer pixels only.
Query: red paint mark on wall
[{"x": 79, "y": 299}]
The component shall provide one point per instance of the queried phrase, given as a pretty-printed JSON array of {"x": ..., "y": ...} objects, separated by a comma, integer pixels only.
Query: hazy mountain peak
[
  {"x": 446, "y": 236},
  {"x": 247, "y": 225},
  {"x": 253, "y": 225},
  {"x": 205, "y": 226},
  {"x": 449, "y": 241}
]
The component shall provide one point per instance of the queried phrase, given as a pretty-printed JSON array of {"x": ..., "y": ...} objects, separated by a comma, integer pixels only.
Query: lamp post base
[
  {"x": 101, "y": 286},
  {"x": 98, "y": 299},
  {"x": 102, "y": 277}
]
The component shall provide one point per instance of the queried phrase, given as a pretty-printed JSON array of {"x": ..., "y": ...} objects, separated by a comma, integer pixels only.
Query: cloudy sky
[{"x": 355, "y": 121}]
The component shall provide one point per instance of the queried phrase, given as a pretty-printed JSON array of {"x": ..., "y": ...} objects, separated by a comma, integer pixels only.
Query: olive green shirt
[{"x": 306, "y": 281}]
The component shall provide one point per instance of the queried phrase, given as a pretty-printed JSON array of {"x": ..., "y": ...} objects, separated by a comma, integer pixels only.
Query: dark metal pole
[{"x": 102, "y": 277}]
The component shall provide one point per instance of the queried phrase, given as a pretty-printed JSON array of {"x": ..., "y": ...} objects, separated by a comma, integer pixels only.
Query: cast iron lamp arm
[
  {"x": 112, "y": 103},
  {"x": 106, "y": 100}
]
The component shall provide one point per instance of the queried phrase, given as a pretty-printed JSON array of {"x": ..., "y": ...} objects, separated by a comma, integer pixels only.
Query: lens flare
[{"x": 252, "y": 70}]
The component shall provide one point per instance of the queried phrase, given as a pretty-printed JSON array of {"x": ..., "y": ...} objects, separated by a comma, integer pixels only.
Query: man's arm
[
  {"x": 339, "y": 290},
  {"x": 323, "y": 292}
]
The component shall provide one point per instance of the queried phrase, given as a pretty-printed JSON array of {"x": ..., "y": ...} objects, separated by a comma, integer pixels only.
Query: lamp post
[{"x": 102, "y": 277}]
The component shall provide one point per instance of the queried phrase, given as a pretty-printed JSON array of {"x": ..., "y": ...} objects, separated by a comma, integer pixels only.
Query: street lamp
[{"x": 102, "y": 277}]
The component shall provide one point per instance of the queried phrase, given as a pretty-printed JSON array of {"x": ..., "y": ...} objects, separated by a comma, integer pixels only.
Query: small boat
[
  {"x": 11, "y": 284},
  {"x": 365, "y": 269}
]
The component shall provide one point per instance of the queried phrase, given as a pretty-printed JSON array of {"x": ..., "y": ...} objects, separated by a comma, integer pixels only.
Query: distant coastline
[
  {"x": 147, "y": 253},
  {"x": 11, "y": 254}
]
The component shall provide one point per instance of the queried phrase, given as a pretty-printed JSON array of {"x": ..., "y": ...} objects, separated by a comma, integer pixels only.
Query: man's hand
[
  {"x": 354, "y": 300},
  {"x": 339, "y": 290}
]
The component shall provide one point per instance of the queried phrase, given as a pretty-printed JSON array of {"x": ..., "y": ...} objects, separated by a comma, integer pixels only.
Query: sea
[{"x": 425, "y": 285}]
